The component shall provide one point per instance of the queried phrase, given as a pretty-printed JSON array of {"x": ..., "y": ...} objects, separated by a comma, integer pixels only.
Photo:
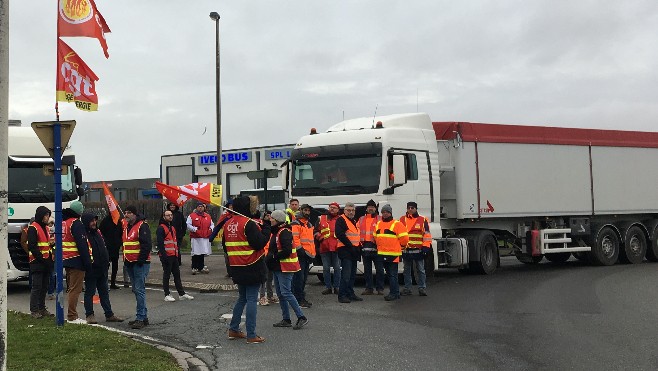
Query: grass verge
[{"x": 38, "y": 344}]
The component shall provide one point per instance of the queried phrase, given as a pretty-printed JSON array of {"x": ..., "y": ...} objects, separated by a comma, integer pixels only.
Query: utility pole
[{"x": 4, "y": 163}]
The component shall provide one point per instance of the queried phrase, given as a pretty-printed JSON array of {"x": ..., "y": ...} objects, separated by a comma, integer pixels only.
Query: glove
[{"x": 425, "y": 250}]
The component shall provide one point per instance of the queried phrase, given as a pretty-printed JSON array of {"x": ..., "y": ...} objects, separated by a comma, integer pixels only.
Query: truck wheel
[
  {"x": 652, "y": 250},
  {"x": 488, "y": 246},
  {"x": 605, "y": 249},
  {"x": 635, "y": 246},
  {"x": 558, "y": 258}
]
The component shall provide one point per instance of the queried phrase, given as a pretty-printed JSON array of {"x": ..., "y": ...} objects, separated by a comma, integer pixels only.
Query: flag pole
[{"x": 57, "y": 173}]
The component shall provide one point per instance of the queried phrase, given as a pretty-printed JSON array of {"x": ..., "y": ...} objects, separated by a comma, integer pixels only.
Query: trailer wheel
[
  {"x": 652, "y": 250},
  {"x": 558, "y": 258},
  {"x": 605, "y": 249},
  {"x": 635, "y": 246},
  {"x": 488, "y": 247}
]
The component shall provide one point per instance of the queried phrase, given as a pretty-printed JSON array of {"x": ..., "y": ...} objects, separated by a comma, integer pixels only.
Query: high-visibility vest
[
  {"x": 291, "y": 263},
  {"x": 131, "y": 245},
  {"x": 239, "y": 252},
  {"x": 390, "y": 237},
  {"x": 290, "y": 215},
  {"x": 69, "y": 247},
  {"x": 302, "y": 236},
  {"x": 328, "y": 233},
  {"x": 367, "y": 225},
  {"x": 43, "y": 242},
  {"x": 202, "y": 222},
  {"x": 170, "y": 242},
  {"x": 418, "y": 236},
  {"x": 352, "y": 233}
]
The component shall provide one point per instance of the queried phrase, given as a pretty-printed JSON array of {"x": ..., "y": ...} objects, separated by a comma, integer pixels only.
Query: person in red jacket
[
  {"x": 200, "y": 225},
  {"x": 325, "y": 233}
]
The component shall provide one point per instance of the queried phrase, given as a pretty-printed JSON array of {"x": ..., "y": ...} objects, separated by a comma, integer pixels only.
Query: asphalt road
[{"x": 521, "y": 318}]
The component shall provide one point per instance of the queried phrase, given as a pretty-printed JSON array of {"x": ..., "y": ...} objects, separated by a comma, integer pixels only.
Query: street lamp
[{"x": 215, "y": 17}]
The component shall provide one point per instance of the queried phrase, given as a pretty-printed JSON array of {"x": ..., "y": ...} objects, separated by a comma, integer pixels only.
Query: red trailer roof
[{"x": 494, "y": 133}]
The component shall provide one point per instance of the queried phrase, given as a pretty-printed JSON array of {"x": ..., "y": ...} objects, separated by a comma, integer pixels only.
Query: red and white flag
[
  {"x": 112, "y": 204},
  {"x": 208, "y": 193},
  {"x": 76, "y": 82},
  {"x": 82, "y": 18}
]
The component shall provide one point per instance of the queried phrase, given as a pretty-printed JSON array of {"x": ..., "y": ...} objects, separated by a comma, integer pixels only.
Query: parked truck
[
  {"x": 31, "y": 185},
  {"x": 493, "y": 190}
]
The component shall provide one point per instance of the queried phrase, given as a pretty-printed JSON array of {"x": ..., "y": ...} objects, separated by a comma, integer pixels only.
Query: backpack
[{"x": 24, "y": 239}]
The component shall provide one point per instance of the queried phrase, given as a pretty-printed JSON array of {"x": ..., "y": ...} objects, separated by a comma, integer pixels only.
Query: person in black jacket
[
  {"x": 138, "y": 264},
  {"x": 97, "y": 279},
  {"x": 348, "y": 254},
  {"x": 77, "y": 262},
  {"x": 168, "y": 252},
  {"x": 179, "y": 223},
  {"x": 112, "y": 236},
  {"x": 41, "y": 265}
]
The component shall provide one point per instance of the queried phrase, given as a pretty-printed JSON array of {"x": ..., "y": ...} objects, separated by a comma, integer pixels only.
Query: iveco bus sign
[{"x": 232, "y": 157}]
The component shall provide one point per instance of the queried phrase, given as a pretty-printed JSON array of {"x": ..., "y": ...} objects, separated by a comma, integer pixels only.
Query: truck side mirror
[
  {"x": 77, "y": 173},
  {"x": 399, "y": 171}
]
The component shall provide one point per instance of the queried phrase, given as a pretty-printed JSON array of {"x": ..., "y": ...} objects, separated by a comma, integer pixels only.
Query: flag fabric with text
[
  {"x": 82, "y": 18},
  {"x": 112, "y": 204},
  {"x": 76, "y": 82},
  {"x": 208, "y": 193}
]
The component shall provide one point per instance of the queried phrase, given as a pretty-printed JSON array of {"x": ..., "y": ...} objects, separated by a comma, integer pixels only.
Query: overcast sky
[{"x": 287, "y": 66}]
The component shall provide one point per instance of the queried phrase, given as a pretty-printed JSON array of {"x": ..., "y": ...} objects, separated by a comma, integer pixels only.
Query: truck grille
[{"x": 17, "y": 254}]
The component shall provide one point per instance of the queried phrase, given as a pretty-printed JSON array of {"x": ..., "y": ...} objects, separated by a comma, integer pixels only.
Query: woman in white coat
[{"x": 200, "y": 225}]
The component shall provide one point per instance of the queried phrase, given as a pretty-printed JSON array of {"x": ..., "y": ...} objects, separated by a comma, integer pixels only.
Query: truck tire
[
  {"x": 605, "y": 249},
  {"x": 635, "y": 246},
  {"x": 652, "y": 249},
  {"x": 488, "y": 248},
  {"x": 558, "y": 258}
]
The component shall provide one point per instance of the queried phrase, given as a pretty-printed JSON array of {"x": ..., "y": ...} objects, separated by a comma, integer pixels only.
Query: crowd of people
[{"x": 264, "y": 253}]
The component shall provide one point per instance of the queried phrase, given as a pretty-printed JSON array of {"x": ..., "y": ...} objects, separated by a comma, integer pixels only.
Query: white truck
[
  {"x": 493, "y": 190},
  {"x": 31, "y": 186}
]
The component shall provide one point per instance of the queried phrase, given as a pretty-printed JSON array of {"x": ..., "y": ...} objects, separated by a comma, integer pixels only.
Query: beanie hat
[
  {"x": 279, "y": 216},
  {"x": 371, "y": 203},
  {"x": 412, "y": 204},
  {"x": 77, "y": 207},
  {"x": 305, "y": 206},
  {"x": 387, "y": 208},
  {"x": 132, "y": 209}
]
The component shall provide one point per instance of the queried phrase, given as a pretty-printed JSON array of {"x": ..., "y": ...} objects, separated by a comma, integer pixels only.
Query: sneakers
[
  {"x": 305, "y": 304},
  {"x": 422, "y": 292},
  {"x": 195, "y": 272},
  {"x": 263, "y": 301},
  {"x": 138, "y": 325},
  {"x": 327, "y": 291},
  {"x": 78, "y": 321},
  {"x": 368, "y": 292},
  {"x": 336, "y": 290},
  {"x": 273, "y": 300},
  {"x": 205, "y": 269},
  {"x": 355, "y": 298},
  {"x": 301, "y": 322},
  {"x": 256, "y": 340},
  {"x": 114, "y": 318},
  {"x": 380, "y": 292},
  {"x": 169, "y": 298},
  {"x": 36, "y": 315},
  {"x": 283, "y": 323},
  {"x": 186, "y": 297},
  {"x": 405, "y": 292},
  {"x": 91, "y": 320},
  {"x": 232, "y": 335},
  {"x": 146, "y": 322},
  {"x": 126, "y": 285},
  {"x": 390, "y": 297},
  {"x": 45, "y": 313},
  {"x": 342, "y": 299}
]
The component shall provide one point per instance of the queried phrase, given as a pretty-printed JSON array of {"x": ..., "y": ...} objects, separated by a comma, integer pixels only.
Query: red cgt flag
[
  {"x": 82, "y": 18},
  {"x": 76, "y": 82},
  {"x": 112, "y": 204},
  {"x": 205, "y": 192}
]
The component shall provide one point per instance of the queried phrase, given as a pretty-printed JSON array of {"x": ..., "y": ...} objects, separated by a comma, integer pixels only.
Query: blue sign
[
  {"x": 278, "y": 154},
  {"x": 226, "y": 158}
]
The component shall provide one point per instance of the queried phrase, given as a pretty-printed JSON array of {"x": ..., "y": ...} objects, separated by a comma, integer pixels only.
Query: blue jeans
[
  {"x": 368, "y": 261},
  {"x": 249, "y": 297},
  {"x": 419, "y": 270},
  {"x": 347, "y": 277},
  {"x": 138, "y": 278},
  {"x": 392, "y": 273},
  {"x": 330, "y": 259},
  {"x": 300, "y": 277},
  {"x": 97, "y": 280},
  {"x": 283, "y": 283}
]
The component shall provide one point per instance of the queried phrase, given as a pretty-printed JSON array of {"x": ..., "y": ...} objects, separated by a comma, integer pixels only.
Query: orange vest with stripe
[
  {"x": 367, "y": 225},
  {"x": 131, "y": 245},
  {"x": 352, "y": 233},
  {"x": 43, "y": 242},
  {"x": 328, "y": 234},
  {"x": 69, "y": 247},
  {"x": 390, "y": 237},
  {"x": 302, "y": 236},
  {"x": 239, "y": 252},
  {"x": 291, "y": 263},
  {"x": 170, "y": 244},
  {"x": 418, "y": 236}
]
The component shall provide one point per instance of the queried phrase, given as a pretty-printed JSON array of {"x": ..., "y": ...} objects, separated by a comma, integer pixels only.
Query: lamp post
[{"x": 215, "y": 17}]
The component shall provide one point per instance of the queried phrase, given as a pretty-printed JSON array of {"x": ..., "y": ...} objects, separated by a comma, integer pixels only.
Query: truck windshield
[
  {"x": 27, "y": 184},
  {"x": 336, "y": 175}
]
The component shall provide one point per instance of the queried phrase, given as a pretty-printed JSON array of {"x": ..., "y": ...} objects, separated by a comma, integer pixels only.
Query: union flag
[
  {"x": 208, "y": 193},
  {"x": 76, "y": 82},
  {"x": 112, "y": 204},
  {"x": 82, "y": 18}
]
